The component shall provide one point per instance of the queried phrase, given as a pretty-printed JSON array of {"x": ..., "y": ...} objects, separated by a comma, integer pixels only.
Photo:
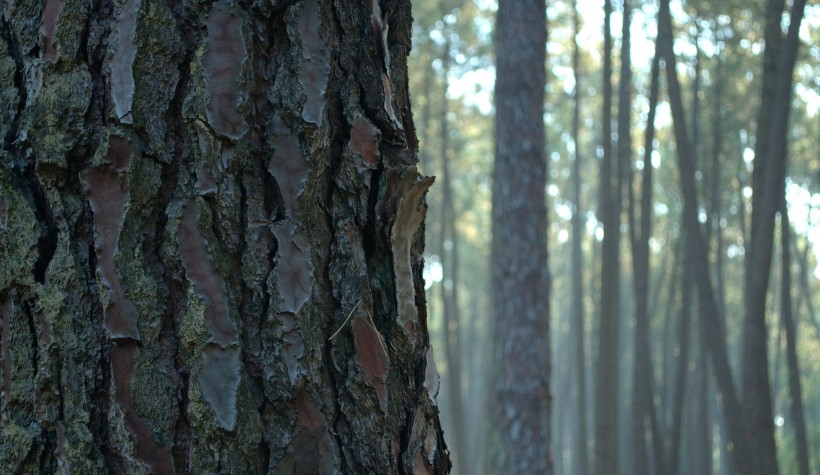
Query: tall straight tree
[
  {"x": 643, "y": 411},
  {"x": 769, "y": 186},
  {"x": 795, "y": 387},
  {"x": 519, "y": 243},
  {"x": 580, "y": 453},
  {"x": 448, "y": 250},
  {"x": 210, "y": 250},
  {"x": 606, "y": 370}
]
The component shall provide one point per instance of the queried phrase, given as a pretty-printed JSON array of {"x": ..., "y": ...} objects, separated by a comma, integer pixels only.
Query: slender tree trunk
[
  {"x": 803, "y": 275},
  {"x": 519, "y": 251},
  {"x": 768, "y": 186},
  {"x": 578, "y": 328},
  {"x": 213, "y": 241},
  {"x": 606, "y": 374},
  {"x": 449, "y": 288},
  {"x": 682, "y": 369},
  {"x": 642, "y": 404},
  {"x": 795, "y": 389},
  {"x": 698, "y": 256},
  {"x": 716, "y": 215}
]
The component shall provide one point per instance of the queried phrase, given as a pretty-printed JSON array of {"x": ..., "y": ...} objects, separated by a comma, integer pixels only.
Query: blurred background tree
[{"x": 670, "y": 414}]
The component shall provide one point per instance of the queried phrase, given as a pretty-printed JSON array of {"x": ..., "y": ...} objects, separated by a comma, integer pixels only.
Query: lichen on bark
[{"x": 193, "y": 197}]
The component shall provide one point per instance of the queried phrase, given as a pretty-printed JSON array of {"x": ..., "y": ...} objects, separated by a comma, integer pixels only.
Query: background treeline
[{"x": 671, "y": 398}]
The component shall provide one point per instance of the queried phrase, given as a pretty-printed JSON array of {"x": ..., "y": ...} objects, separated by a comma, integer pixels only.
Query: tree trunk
[
  {"x": 519, "y": 250},
  {"x": 768, "y": 185},
  {"x": 606, "y": 374},
  {"x": 580, "y": 453},
  {"x": 795, "y": 387},
  {"x": 697, "y": 255},
  {"x": 212, "y": 240},
  {"x": 449, "y": 287},
  {"x": 642, "y": 404}
]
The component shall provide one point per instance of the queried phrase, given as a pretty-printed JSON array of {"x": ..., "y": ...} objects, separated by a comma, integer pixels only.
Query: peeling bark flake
[
  {"x": 289, "y": 168},
  {"x": 293, "y": 347},
  {"x": 432, "y": 380},
  {"x": 48, "y": 24},
  {"x": 199, "y": 270},
  {"x": 147, "y": 450},
  {"x": 371, "y": 356},
  {"x": 421, "y": 467},
  {"x": 312, "y": 446},
  {"x": 294, "y": 267},
  {"x": 409, "y": 216},
  {"x": 108, "y": 194},
  {"x": 224, "y": 55},
  {"x": 364, "y": 140},
  {"x": 219, "y": 382},
  {"x": 315, "y": 67},
  {"x": 122, "y": 61},
  {"x": 430, "y": 445},
  {"x": 380, "y": 31},
  {"x": 388, "y": 101}
]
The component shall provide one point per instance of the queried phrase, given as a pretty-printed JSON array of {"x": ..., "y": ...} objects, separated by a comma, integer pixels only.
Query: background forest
[{"x": 660, "y": 316}]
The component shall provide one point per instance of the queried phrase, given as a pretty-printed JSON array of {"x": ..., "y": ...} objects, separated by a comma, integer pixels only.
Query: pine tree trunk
[
  {"x": 519, "y": 244},
  {"x": 606, "y": 370},
  {"x": 580, "y": 452},
  {"x": 210, "y": 230}
]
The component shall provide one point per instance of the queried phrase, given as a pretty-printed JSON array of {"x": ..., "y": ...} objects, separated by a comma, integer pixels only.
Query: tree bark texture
[
  {"x": 194, "y": 198},
  {"x": 519, "y": 245}
]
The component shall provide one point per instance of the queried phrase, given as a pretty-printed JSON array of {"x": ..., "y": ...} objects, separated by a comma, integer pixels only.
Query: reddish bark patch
[
  {"x": 312, "y": 446},
  {"x": 364, "y": 140},
  {"x": 148, "y": 451},
  {"x": 119, "y": 153},
  {"x": 421, "y": 466},
  {"x": 108, "y": 195},
  {"x": 122, "y": 61},
  {"x": 199, "y": 270},
  {"x": 294, "y": 267},
  {"x": 224, "y": 55},
  {"x": 371, "y": 356},
  {"x": 315, "y": 67},
  {"x": 5, "y": 316},
  {"x": 289, "y": 167},
  {"x": 48, "y": 23},
  {"x": 219, "y": 381}
]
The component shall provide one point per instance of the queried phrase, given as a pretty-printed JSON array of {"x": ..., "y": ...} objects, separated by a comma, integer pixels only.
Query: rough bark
[
  {"x": 519, "y": 251},
  {"x": 606, "y": 371},
  {"x": 199, "y": 196}
]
